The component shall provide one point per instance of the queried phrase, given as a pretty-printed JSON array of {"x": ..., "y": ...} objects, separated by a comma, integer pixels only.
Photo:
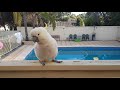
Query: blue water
[{"x": 83, "y": 53}]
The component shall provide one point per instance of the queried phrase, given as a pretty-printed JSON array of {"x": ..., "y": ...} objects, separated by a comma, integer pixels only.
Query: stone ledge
[
  {"x": 66, "y": 65},
  {"x": 28, "y": 42}
]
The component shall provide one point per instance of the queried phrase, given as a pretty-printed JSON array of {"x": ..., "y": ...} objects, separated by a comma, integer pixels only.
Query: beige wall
[{"x": 102, "y": 32}]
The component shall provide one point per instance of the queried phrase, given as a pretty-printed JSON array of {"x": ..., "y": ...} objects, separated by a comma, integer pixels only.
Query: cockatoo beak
[{"x": 35, "y": 39}]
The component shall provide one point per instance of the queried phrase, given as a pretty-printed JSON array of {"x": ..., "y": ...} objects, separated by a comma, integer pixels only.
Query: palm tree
[
  {"x": 10, "y": 18},
  {"x": 17, "y": 18},
  {"x": 43, "y": 18},
  {"x": 49, "y": 18},
  {"x": 25, "y": 24},
  {"x": 33, "y": 19}
]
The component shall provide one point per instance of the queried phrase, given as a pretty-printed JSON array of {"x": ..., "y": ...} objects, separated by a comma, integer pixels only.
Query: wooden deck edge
[
  {"x": 61, "y": 74},
  {"x": 61, "y": 67}
]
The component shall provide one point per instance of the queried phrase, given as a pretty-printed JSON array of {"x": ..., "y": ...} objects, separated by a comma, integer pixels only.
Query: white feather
[{"x": 47, "y": 47}]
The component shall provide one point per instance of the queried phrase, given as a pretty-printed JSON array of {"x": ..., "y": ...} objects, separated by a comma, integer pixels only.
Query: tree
[
  {"x": 88, "y": 19},
  {"x": 102, "y": 18},
  {"x": 109, "y": 18},
  {"x": 11, "y": 18},
  {"x": 61, "y": 16},
  {"x": 25, "y": 24},
  {"x": 6, "y": 18},
  {"x": 43, "y": 18},
  {"x": 114, "y": 18},
  {"x": 33, "y": 19},
  {"x": 73, "y": 16},
  {"x": 92, "y": 19},
  {"x": 105, "y": 18},
  {"x": 79, "y": 21},
  {"x": 17, "y": 17}
]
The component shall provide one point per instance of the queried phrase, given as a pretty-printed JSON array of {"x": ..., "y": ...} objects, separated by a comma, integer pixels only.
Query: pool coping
[
  {"x": 67, "y": 65},
  {"x": 89, "y": 46},
  {"x": 31, "y": 65}
]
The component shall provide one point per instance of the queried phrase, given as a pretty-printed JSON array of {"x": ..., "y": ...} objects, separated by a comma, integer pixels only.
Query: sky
[{"x": 77, "y": 13}]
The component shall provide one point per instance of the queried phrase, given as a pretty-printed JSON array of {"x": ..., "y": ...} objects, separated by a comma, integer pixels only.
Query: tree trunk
[
  {"x": 33, "y": 20},
  {"x": 40, "y": 23},
  {"x": 25, "y": 25}
]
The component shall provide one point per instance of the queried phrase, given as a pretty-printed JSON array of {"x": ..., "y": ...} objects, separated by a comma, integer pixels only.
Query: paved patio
[
  {"x": 88, "y": 43},
  {"x": 20, "y": 53}
]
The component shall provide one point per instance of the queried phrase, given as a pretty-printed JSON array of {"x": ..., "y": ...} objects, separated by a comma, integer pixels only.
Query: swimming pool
[{"x": 83, "y": 53}]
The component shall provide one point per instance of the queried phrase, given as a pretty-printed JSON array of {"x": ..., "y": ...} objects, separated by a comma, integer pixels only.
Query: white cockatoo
[{"x": 46, "y": 46}]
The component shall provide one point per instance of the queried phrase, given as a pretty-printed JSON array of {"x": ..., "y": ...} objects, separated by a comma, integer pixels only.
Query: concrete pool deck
[
  {"x": 24, "y": 50},
  {"x": 14, "y": 64}
]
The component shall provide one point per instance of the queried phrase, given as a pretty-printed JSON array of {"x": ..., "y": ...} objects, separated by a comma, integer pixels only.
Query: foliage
[
  {"x": 17, "y": 17},
  {"x": 62, "y": 16},
  {"x": 102, "y": 18},
  {"x": 49, "y": 18},
  {"x": 79, "y": 21}
]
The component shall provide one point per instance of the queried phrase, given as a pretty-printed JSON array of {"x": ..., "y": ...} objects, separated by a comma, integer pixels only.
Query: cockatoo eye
[{"x": 38, "y": 34}]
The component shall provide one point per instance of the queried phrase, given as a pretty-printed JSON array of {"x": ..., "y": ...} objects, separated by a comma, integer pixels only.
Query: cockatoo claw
[
  {"x": 57, "y": 61},
  {"x": 42, "y": 62}
]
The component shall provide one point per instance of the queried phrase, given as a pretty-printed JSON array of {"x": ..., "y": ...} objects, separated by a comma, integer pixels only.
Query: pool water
[{"x": 83, "y": 53}]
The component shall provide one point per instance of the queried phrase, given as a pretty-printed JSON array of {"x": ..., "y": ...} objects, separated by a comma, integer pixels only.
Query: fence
[{"x": 9, "y": 44}]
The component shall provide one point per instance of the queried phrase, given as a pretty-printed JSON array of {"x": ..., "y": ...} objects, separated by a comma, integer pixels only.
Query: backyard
[{"x": 83, "y": 53}]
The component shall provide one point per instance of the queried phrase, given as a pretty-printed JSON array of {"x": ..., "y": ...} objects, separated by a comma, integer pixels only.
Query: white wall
[
  {"x": 106, "y": 33},
  {"x": 6, "y": 33},
  {"x": 118, "y": 33},
  {"x": 102, "y": 32}
]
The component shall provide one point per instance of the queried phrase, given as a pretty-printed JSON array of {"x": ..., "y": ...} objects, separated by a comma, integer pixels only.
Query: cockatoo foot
[
  {"x": 57, "y": 61},
  {"x": 42, "y": 62}
]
